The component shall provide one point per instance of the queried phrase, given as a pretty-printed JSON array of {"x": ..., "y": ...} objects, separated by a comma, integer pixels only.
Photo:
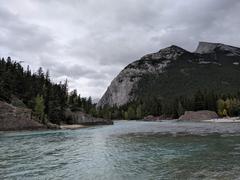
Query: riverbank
[
  {"x": 224, "y": 120},
  {"x": 14, "y": 118},
  {"x": 72, "y": 127}
]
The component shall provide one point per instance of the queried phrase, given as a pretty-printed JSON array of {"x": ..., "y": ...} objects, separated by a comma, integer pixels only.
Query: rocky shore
[
  {"x": 187, "y": 116},
  {"x": 14, "y": 118}
]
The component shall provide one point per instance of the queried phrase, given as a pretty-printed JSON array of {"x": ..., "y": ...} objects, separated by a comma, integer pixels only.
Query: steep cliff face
[
  {"x": 121, "y": 88},
  {"x": 175, "y": 71},
  {"x": 206, "y": 47}
]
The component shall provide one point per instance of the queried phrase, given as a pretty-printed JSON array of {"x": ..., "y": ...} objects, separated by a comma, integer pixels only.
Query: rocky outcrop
[
  {"x": 52, "y": 126},
  {"x": 207, "y": 47},
  {"x": 198, "y": 115},
  {"x": 121, "y": 88},
  {"x": 86, "y": 119},
  {"x": 14, "y": 118},
  {"x": 172, "y": 67},
  {"x": 169, "y": 53}
]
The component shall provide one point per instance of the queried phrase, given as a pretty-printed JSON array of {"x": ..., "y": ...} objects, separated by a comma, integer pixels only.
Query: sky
[{"x": 89, "y": 42}]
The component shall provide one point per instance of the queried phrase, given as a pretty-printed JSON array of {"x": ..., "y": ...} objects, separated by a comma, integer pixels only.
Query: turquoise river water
[{"x": 125, "y": 150}]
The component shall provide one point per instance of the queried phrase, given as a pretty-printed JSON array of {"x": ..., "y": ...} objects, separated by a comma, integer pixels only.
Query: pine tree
[
  {"x": 131, "y": 113},
  {"x": 139, "y": 111},
  {"x": 221, "y": 107},
  {"x": 199, "y": 101},
  {"x": 126, "y": 115},
  {"x": 39, "y": 108},
  {"x": 180, "y": 110}
]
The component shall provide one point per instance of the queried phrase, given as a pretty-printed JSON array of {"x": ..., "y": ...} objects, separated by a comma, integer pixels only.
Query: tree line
[
  {"x": 48, "y": 100},
  {"x": 223, "y": 104}
]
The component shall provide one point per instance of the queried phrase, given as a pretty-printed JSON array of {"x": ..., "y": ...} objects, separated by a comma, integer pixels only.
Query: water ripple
[{"x": 127, "y": 150}]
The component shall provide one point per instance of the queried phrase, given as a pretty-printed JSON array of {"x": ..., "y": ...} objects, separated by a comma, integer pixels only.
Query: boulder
[
  {"x": 198, "y": 115},
  {"x": 52, "y": 126},
  {"x": 14, "y": 118}
]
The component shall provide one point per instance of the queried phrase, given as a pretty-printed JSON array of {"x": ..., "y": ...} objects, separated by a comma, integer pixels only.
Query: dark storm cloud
[{"x": 90, "y": 41}]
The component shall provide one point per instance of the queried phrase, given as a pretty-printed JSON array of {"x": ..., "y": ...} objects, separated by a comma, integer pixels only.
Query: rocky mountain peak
[
  {"x": 172, "y": 49},
  {"x": 208, "y": 47},
  {"x": 169, "y": 53}
]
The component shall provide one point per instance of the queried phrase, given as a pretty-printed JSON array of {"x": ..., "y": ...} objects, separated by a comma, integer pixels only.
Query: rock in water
[
  {"x": 198, "y": 115},
  {"x": 173, "y": 72}
]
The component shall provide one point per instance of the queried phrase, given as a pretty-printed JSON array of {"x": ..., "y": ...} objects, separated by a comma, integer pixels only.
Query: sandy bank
[
  {"x": 73, "y": 126},
  {"x": 224, "y": 120}
]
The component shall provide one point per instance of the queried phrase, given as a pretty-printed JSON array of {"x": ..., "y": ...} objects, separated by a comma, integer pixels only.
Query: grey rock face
[
  {"x": 206, "y": 47},
  {"x": 121, "y": 88},
  {"x": 15, "y": 118},
  {"x": 169, "y": 53}
]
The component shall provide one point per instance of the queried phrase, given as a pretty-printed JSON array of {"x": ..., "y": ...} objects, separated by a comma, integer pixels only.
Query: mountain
[{"x": 173, "y": 72}]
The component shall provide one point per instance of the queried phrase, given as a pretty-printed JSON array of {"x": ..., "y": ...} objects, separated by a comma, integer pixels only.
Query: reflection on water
[{"x": 127, "y": 150}]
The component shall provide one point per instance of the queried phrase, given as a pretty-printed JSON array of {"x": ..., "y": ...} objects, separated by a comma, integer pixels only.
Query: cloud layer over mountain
[{"x": 90, "y": 41}]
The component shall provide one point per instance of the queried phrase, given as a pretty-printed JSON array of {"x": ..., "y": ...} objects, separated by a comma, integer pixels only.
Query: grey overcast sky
[{"x": 90, "y": 41}]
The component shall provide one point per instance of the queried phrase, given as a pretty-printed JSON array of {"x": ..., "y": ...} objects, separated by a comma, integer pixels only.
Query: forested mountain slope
[{"x": 173, "y": 72}]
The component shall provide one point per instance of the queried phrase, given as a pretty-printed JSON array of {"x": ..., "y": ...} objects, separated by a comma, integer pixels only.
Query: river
[{"x": 125, "y": 150}]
